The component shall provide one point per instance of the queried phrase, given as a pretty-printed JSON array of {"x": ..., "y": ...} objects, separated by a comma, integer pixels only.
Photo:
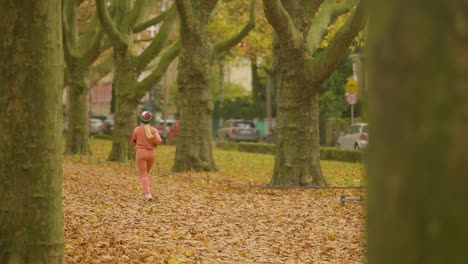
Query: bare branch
[
  {"x": 326, "y": 15},
  {"x": 167, "y": 56},
  {"x": 326, "y": 62},
  {"x": 154, "y": 21},
  {"x": 279, "y": 19},
  {"x": 70, "y": 34},
  {"x": 159, "y": 41},
  {"x": 107, "y": 24},
  {"x": 186, "y": 16},
  {"x": 206, "y": 10},
  {"x": 136, "y": 12},
  {"x": 227, "y": 44},
  {"x": 312, "y": 6},
  {"x": 94, "y": 49},
  {"x": 100, "y": 70}
]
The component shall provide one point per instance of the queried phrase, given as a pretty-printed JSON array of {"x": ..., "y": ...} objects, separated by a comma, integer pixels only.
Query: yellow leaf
[
  {"x": 174, "y": 260},
  {"x": 331, "y": 234}
]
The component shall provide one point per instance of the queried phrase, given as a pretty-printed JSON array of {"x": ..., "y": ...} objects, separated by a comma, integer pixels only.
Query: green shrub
[
  {"x": 329, "y": 153},
  {"x": 326, "y": 153}
]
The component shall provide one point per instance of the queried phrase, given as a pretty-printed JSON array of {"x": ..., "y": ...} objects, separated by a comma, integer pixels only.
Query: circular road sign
[{"x": 351, "y": 99}]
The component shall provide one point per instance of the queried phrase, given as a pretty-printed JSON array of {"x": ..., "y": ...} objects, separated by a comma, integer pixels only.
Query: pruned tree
[
  {"x": 417, "y": 171},
  {"x": 129, "y": 66},
  {"x": 81, "y": 50},
  {"x": 194, "y": 145},
  {"x": 31, "y": 84},
  {"x": 302, "y": 69}
]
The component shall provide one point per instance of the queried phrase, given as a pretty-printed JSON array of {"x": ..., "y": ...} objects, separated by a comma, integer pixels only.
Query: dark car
[
  {"x": 108, "y": 126},
  {"x": 238, "y": 130}
]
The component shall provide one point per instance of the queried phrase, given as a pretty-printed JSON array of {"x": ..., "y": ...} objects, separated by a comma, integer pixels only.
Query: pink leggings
[{"x": 144, "y": 162}]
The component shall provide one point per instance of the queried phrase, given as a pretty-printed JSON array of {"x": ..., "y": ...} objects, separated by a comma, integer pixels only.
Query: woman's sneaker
[{"x": 148, "y": 197}]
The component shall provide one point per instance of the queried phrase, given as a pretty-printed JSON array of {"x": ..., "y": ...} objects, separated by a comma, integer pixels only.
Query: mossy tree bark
[
  {"x": 302, "y": 69},
  {"x": 80, "y": 54},
  {"x": 31, "y": 84},
  {"x": 128, "y": 67},
  {"x": 418, "y": 203},
  {"x": 194, "y": 141}
]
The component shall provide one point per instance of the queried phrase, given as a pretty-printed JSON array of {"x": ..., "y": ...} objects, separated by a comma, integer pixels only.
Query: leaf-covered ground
[{"x": 192, "y": 221}]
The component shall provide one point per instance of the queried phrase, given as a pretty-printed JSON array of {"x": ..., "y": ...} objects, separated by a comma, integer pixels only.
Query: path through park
[{"x": 191, "y": 221}]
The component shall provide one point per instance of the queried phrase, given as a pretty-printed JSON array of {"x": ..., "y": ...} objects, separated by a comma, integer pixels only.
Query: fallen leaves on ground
[{"x": 191, "y": 221}]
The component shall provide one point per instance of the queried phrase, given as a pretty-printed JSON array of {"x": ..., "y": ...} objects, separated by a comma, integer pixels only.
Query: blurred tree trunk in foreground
[
  {"x": 418, "y": 158},
  {"x": 31, "y": 83}
]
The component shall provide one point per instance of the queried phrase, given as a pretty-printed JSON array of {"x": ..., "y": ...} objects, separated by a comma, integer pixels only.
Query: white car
[
  {"x": 95, "y": 126},
  {"x": 355, "y": 137}
]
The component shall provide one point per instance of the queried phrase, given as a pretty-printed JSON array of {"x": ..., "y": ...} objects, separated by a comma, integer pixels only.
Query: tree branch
[
  {"x": 326, "y": 62},
  {"x": 100, "y": 70},
  {"x": 327, "y": 14},
  {"x": 227, "y": 44},
  {"x": 114, "y": 35},
  {"x": 166, "y": 58},
  {"x": 154, "y": 21},
  {"x": 206, "y": 10},
  {"x": 186, "y": 16},
  {"x": 159, "y": 41},
  {"x": 136, "y": 12},
  {"x": 312, "y": 6},
  {"x": 279, "y": 19},
  {"x": 93, "y": 50},
  {"x": 69, "y": 30}
]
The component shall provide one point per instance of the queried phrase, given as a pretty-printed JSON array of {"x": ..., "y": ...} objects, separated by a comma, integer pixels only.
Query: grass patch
[{"x": 243, "y": 167}]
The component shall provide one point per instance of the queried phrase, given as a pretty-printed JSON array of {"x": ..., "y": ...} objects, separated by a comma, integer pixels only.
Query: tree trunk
[
  {"x": 418, "y": 203},
  {"x": 302, "y": 71},
  {"x": 31, "y": 83},
  {"x": 125, "y": 117},
  {"x": 297, "y": 158},
  {"x": 77, "y": 141},
  {"x": 258, "y": 95},
  {"x": 194, "y": 141}
]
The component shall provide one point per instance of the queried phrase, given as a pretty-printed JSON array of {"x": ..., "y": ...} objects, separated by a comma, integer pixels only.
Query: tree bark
[
  {"x": 125, "y": 117},
  {"x": 297, "y": 158},
  {"x": 31, "y": 84},
  {"x": 194, "y": 143},
  {"x": 80, "y": 52},
  {"x": 418, "y": 203},
  {"x": 77, "y": 137}
]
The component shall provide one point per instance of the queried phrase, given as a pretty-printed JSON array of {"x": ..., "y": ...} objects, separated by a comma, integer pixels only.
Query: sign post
[{"x": 351, "y": 95}]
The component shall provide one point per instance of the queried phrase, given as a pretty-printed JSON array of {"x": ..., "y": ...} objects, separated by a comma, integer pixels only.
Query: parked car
[
  {"x": 238, "y": 130},
  {"x": 355, "y": 137},
  {"x": 108, "y": 126},
  {"x": 95, "y": 125},
  {"x": 168, "y": 129}
]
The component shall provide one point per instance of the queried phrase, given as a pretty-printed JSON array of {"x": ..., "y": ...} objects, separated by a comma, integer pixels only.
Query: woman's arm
[
  {"x": 157, "y": 137},
  {"x": 134, "y": 138}
]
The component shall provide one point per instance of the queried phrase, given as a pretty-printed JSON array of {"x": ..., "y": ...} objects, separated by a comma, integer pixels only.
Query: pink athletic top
[{"x": 140, "y": 140}]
